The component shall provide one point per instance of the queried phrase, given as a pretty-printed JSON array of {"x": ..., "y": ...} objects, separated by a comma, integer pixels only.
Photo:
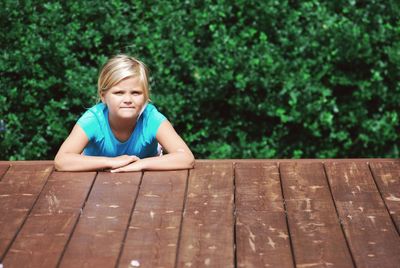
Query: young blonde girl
[{"x": 124, "y": 131}]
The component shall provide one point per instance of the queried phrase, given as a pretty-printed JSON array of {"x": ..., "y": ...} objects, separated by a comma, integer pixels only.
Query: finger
[{"x": 115, "y": 170}]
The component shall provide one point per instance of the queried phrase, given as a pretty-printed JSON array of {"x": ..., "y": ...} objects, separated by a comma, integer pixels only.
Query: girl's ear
[{"x": 102, "y": 97}]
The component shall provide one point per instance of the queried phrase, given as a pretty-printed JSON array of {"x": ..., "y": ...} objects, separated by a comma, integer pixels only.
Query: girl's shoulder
[
  {"x": 152, "y": 114},
  {"x": 95, "y": 112},
  {"x": 98, "y": 108},
  {"x": 93, "y": 120},
  {"x": 152, "y": 120}
]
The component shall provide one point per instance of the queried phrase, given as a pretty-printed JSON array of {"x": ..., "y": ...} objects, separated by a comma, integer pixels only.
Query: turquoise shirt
[{"x": 102, "y": 142}]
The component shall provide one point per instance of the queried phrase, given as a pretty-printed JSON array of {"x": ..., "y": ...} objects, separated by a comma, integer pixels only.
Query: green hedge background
[{"x": 238, "y": 79}]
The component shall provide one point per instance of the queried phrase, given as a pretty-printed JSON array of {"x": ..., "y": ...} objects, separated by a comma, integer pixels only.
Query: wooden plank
[
  {"x": 262, "y": 238},
  {"x": 46, "y": 231},
  {"x": 19, "y": 189},
  {"x": 28, "y": 162},
  {"x": 371, "y": 235},
  {"x": 258, "y": 187},
  {"x": 306, "y": 160},
  {"x": 208, "y": 223},
  {"x": 315, "y": 230},
  {"x": 3, "y": 170},
  {"x": 387, "y": 177},
  {"x": 153, "y": 232},
  {"x": 98, "y": 236}
]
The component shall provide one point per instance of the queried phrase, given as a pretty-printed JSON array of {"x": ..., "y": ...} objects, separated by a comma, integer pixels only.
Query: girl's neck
[{"x": 122, "y": 127}]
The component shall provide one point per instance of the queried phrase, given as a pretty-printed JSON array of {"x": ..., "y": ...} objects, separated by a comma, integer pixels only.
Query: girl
[{"x": 124, "y": 131}]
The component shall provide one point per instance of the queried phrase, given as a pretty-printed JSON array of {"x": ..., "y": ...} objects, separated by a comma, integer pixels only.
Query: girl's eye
[
  {"x": 135, "y": 93},
  {"x": 119, "y": 93}
]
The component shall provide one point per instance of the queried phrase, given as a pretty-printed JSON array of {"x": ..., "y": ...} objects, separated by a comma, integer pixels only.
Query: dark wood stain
[{"x": 222, "y": 213}]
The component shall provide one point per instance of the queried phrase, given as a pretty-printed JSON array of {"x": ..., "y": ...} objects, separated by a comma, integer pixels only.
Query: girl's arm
[
  {"x": 69, "y": 157},
  {"x": 179, "y": 155}
]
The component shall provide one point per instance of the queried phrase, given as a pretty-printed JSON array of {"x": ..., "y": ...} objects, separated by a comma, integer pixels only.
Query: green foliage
[{"x": 241, "y": 79}]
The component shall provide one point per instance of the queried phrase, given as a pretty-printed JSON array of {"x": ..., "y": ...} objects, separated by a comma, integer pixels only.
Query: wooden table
[{"x": 223, "y": 213}]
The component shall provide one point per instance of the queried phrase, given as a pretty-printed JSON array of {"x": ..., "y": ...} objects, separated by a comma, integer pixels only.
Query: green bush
[{"x": 241, "y": 79}]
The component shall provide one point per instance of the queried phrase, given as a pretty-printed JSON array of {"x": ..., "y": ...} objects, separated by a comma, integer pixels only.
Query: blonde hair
[{"x": 120, "y": 67}]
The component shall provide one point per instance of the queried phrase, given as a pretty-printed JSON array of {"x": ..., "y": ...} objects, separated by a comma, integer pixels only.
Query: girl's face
[{"x": 125, "y": 100}]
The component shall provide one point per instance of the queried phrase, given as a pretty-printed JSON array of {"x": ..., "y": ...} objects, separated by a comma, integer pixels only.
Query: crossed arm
[{"x": 70, "y": 158}]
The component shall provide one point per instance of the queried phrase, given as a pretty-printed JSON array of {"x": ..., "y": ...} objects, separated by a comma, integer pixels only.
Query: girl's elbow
[
  {"x": 58, "y": 164},
  {"x": 190, "y": 161}
]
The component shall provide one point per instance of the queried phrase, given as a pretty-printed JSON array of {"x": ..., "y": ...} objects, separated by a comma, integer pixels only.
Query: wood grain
[
  {"x": 207, "y": 230},
  {"x": 46, "y": 231},
  {"x": 371, "y": 235},
  {"x": 98, "y": 236},
  {"x": 314, "y": 227},
  {"x": 262, "y": 238},
  {"x": 387, "y": 177},
  {"x": 3, "y": 170},
  {"x": 223, "y": 213},
  {"x": 19, "y": 190},
  {"x": 153, "y": 233}
]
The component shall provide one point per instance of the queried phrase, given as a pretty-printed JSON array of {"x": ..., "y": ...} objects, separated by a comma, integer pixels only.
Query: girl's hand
[
  {"x": 121, "y": 161},
  {"x": 135, "y": 166}
]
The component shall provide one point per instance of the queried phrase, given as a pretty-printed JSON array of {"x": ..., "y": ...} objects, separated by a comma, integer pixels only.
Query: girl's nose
[{"x": 127, "y": 98}]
